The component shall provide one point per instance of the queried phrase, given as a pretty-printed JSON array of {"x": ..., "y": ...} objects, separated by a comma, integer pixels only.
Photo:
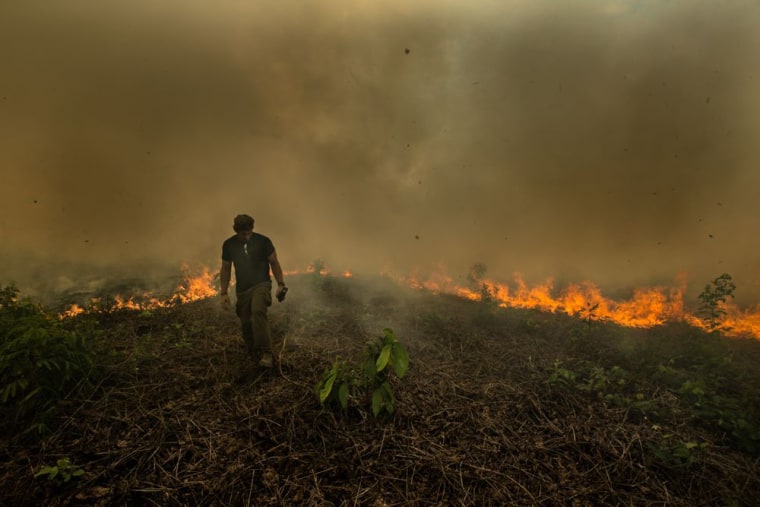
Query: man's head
[{"x": 243, "y": 226}]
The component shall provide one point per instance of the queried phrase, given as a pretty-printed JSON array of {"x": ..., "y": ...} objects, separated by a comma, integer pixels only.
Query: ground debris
[{"x": 184, "y": 418}]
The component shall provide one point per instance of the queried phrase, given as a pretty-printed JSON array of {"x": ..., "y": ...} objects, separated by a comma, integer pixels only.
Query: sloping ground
[{"x": 179, "y": 416}]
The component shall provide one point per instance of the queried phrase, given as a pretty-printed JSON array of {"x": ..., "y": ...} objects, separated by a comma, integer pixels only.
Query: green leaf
[
  {"x": 388, "y": 391},
  {"x": 382, "y": 360},
  {"x": 327, "y": 387},
  {"x": 31, "y": 395},
  {"x": 46, "y": 471},
  {"x": 343, "y": 395},
  {"x": 400, "y": 360},
  {"x": 377, "y": 401},
  {"x": 368, "y": 367},
  {"x": 390, "y": 400}
]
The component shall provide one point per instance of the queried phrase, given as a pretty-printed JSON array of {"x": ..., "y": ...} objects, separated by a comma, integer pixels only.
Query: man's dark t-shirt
[{"x": 250, "y": 258}]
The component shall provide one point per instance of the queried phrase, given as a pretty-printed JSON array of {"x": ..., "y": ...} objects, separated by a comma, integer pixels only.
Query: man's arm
[
  {"x": 224, "y": 276},
  {"x": 276, "y": 270}
]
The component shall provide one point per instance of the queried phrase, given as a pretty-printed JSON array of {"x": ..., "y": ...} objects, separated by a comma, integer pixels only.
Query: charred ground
[{"x": 499, "y": 407}]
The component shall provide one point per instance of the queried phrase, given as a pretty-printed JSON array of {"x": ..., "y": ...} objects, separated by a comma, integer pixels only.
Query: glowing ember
[
  {"x": 319, "y": 268},
  {"x": 72, "y": 311}
]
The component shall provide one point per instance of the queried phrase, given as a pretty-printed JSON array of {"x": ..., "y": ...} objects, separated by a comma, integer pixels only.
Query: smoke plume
[{"x": 613, "y": 140}]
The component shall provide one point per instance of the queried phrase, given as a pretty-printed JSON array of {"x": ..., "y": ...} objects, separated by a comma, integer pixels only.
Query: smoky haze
[{"x": 612, "y": 141}]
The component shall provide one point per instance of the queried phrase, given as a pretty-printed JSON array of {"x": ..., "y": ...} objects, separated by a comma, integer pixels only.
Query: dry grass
[{"x": 180, "y": 417}]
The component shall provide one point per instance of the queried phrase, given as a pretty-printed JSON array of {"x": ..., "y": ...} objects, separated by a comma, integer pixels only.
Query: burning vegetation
[
  {"x": 500, "y": 395},
  {"x": 648, "y": 307},
  {"x": 193, "y": 287},
  {"x": 616, "y": 138}
]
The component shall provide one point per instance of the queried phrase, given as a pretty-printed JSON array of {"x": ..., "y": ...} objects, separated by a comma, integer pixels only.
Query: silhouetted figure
[{"x": 253, "y": 255}]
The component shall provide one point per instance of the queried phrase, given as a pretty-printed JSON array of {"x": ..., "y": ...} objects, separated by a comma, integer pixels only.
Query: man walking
[{"x": 253, "y": 255}]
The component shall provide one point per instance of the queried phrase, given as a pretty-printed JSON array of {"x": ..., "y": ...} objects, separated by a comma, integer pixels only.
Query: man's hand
[
  {"x": 225, "y": 302},
  {"x": 281, "y": 291}
]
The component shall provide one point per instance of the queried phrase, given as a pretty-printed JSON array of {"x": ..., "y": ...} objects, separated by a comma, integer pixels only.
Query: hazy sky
[{"x": 613, "y": 141}]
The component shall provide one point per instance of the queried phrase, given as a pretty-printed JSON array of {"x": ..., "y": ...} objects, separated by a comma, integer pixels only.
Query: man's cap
[{"x": 242, "y": 223}]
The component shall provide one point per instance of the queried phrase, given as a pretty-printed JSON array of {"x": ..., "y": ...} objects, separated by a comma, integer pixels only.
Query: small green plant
[
  {"x": 601, "y": 380},
  {"x": 561, "y": 375},
  {"x": 60, "y": 473},
  {"x": 676, "y": 453},
  {"x": 613, "y": 386},
  {"x": 487, "y": 294},
  {"x": 337, "y": 384},
  {"x": 588, "y": 314},
  {"x": 475, "y": 276},
  {"x": 714, "y": 298},
  {"x": 40, "y": 361},
  {"x": 383, "y": 358}
]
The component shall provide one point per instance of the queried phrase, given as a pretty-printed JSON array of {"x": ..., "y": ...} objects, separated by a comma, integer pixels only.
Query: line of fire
[{"x": 648, "y": 307}]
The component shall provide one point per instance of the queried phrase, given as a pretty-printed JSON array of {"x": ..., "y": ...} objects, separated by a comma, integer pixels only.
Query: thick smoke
[{"x": 611, "y": 141}]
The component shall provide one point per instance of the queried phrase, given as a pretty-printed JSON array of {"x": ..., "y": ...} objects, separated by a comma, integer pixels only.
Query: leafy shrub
[
  {"x": 337, "y": 384},
  {"x": 718, "y": 393},
  {"x": 714, "y": 297},
  {"x": 40, "y": 361},
  {"x": 615, "y": 386},
  {"x": 676, "y": 453},
  {"x": 383, "y": 357},
  {"x": 61, "y": 473},
  {"x": 475, "y": 278},
  {"x": 724, "y": 412},
  {"x": 715, "y": 379}
]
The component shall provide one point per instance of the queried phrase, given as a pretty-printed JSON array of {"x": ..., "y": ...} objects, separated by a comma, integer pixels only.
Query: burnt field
[{"x": 498, "y": 407}]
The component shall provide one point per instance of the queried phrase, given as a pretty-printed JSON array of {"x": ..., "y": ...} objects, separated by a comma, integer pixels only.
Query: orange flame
[
  {"x": 72, "y": 311},
  {"x": 647, "y": 307},
  {"x": 195, "y": 288},
  {"x": 192, "y": 288}
]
